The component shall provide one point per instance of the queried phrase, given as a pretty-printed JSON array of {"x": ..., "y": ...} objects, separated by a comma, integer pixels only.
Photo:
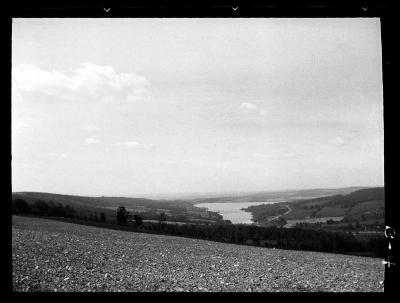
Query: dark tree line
[
  {"x": 42, "y": 208},
  {"x": 293, "y": 238},
  {"x": 286, "y": 238},
  {"x": 122, "y": 216},
  {"x": 52, "y": 209}
]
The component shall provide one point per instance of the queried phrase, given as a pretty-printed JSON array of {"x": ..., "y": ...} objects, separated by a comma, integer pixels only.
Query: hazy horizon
[
  {"x": 140, "y": 107},
  {"x": 199, "y": 194}
]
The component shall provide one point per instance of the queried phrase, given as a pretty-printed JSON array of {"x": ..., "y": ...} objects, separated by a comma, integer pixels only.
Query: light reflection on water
[{"x": 232, "y": 210}]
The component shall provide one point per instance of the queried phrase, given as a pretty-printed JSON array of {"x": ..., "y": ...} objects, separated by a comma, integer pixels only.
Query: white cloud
[
  {"x": 90, "y": 141},
  {"x": 277, "y": 156},
  {"x": 248, "y": 107},
  {"x": 56, "y": 155},
  {"x": 132, "y": 144},
  {"x": 258, "y": 155},
  {"x": 290, "y": 155},
  {"x": 170, "y": 162},
  {"x": 337, "y": 141},
  {"x": 251, "y": 108},
  {"x": 87, "y": 82},
  {"x": 89, "y": 127}
]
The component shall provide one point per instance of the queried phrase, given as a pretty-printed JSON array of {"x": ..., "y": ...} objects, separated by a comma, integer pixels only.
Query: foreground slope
[{"x": 57, "y": 256}]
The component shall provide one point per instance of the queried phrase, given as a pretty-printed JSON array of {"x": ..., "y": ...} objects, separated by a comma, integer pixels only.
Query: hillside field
[{"x": 57, "y": 256}]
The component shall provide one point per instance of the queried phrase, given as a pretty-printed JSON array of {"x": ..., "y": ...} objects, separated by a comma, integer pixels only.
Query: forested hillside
[
  {"x": 174, "y": 210},
  {"x": 362, "y": 209}
]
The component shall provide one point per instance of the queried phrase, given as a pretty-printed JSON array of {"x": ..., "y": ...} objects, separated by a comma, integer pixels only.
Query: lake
[{"x": 232, "y": 210}]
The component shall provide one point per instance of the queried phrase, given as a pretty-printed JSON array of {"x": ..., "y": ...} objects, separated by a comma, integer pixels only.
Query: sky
[{"x": 137, "y": 107}]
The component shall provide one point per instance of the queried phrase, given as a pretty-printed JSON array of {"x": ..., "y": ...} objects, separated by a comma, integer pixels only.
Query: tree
[
  {"x": 103, "y": 217},
  {"x": 69, "y": 212},
  {"x": 58, "y": 210},
  {"x": 122, "y": 216},
  {"x": 138, "y": 220},
  {"x": 162, "y": 218},
  {"x": 282, "y": 221},
  {"x": 40, "y": 208},
  {"x": 20, "y": 206}
]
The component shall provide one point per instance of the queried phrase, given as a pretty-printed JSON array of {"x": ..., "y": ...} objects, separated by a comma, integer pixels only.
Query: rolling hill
[
  {"x": 288, "y": 195},
  {"x": 174, "y": 209},
  {"x": 366, "y": 204}
]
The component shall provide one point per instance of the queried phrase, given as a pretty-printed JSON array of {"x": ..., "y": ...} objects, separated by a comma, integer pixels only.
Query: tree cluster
[
  {"x": 52, "y": 209},
  {"x": 42, "y": 208}
]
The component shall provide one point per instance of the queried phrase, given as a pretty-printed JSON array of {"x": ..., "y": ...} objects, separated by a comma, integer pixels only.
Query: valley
[{"x": 351, "y": 223}]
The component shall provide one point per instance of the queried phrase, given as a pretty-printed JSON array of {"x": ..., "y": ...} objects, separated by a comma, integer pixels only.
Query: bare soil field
[{"x": 56, "y": 256}]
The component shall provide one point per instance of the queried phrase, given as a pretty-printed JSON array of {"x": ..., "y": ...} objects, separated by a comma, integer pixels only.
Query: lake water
[{"x": 232, "y": 210}]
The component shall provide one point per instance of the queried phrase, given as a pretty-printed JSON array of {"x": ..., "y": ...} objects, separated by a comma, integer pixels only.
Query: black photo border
[{"x": 390, "y": 30}]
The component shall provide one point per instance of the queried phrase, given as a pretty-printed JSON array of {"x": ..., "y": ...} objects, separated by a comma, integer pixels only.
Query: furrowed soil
[{"x": 56, "y": 256}]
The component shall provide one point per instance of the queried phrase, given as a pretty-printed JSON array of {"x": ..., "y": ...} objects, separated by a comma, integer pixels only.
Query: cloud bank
[
  {"x": 251, "y": 108},
  {"x": 132, "y": 144},
  {"x": 87, "y": 82},
  {"x": 338, "y": 141},
  {"x": 90, "y": 141}
]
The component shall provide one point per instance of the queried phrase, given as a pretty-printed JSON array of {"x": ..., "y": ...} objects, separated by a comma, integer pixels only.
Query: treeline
[
  {"x": 264, "y": 212},
  {"x": 42, "y": 208},
  {"x": 52, "y": 209},
  {"x": 286, "y": 238}
]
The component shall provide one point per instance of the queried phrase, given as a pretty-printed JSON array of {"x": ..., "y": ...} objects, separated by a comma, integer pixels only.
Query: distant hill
[
  {"x": 359, "y": 196},
  {"x": 176, "y": 210},
  {"x": 98, "y": 201},
  {"x": 105, "y": 204},
  {"x": 288, "y": 195},
  {"x": 85, "y": 201},
  {"x": 367, "y": 204}
]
